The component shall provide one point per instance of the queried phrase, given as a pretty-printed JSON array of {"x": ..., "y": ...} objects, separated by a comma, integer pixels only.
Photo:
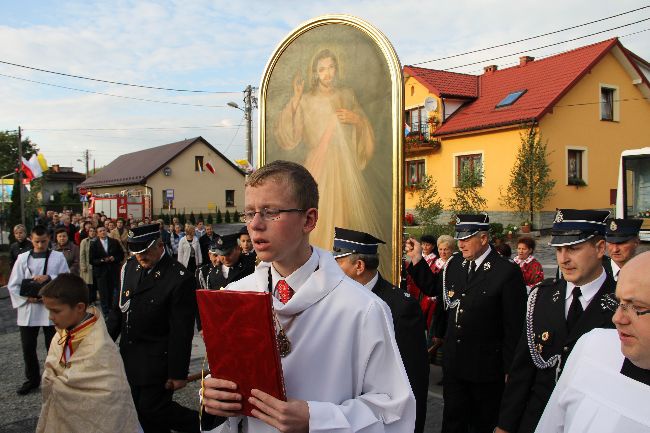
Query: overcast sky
[{"x": 222, "y": 46}]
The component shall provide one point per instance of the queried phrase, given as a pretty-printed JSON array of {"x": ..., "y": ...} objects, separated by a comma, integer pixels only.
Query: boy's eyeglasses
[{"x": 266, "y": 214}]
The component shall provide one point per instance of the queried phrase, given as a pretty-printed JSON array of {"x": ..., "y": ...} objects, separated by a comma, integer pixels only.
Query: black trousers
[
  {"x": 106, "y": 286},
  {"x": 470, "y": 407},
  {"x": 158, "y": 413},
  {"x": 28, "y": 340}
]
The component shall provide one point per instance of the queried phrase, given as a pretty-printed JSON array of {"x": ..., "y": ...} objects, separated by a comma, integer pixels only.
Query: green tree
[
  {"x": 210, "y": 220},
  {"x": 219, "y": 217},
  {"x": 192, "y": 218},
  {"x": 8, "y": 164},
  {"x": 530, "y": 184},
  {"x": 429, "y": 206},
  {"x": 227, "y": 218},
  {"x": 467, "y": 195}
]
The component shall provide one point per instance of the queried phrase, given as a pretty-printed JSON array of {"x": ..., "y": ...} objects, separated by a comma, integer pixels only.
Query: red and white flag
[{"x": 209, "y": 167}]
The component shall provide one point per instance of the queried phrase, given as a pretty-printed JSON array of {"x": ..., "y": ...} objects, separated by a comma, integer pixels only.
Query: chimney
[
  {"x": 490, "y": 69},
  {"x": 524, "y": 60}
]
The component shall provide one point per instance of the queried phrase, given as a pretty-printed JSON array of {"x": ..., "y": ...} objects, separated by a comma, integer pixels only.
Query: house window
[
  {"x": 415, "y": 172},
  {"x": 608, "y": 103},
  {"x": 511, "y": 98},
  {"x": 230, "y": 198},
  {"x": 575, "y": 165},
  {"x": 473, "y": 162},
  {"x": 198, "y": 163},
  {"x": 416, "y": 119}
]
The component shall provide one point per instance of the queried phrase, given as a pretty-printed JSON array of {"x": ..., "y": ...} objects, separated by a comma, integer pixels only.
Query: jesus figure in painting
[{"x": 339, "y": 141}]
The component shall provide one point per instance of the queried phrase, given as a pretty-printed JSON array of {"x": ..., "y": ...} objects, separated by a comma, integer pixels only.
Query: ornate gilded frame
[{"x": 397, "y": 110}]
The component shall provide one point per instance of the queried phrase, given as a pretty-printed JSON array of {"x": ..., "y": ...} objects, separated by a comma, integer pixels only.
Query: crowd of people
[{"x": 519, "y": 352}]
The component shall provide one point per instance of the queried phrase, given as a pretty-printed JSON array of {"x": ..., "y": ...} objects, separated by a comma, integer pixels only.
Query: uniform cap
[
  {"x": 467, "y": 225},
  {"x": 622, "y": 230},
  {"x": 348, "y": 242},
  {"x": 224, "y": 244},
  {"x": 143, "y": 237},
  {"x": 573, "y": 226}
]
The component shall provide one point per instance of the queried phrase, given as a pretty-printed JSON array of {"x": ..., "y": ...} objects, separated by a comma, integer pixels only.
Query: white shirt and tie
[{"x": 588, "y": 290}]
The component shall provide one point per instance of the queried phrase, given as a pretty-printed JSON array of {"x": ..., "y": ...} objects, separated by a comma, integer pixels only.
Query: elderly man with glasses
[
  {"x": 154, "y": 314},
  {"x": 605, "y": 387}
]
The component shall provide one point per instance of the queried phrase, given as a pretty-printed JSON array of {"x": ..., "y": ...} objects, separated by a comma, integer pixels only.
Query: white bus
[{"x": 633, "y": 194}]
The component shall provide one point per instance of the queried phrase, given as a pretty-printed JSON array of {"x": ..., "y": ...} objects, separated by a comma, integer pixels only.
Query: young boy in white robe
[
  {"x": 605, "y": 387},
  {"x": 84, "y": 384},
  {"x": 344, "y": 372}
]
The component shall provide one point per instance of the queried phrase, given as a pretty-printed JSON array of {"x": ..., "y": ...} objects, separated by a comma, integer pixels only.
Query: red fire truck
[{"x": 135, "y": 204}]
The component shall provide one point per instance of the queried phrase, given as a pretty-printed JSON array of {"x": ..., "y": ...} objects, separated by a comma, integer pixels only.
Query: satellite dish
[{"x": 430, "y": 103}]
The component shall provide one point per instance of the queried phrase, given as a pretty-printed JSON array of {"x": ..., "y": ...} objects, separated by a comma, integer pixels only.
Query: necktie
[
  {"x": 575, "y": 310},
  {"x": 472, "y": 270},
  {"x": 284, "y": 292}
]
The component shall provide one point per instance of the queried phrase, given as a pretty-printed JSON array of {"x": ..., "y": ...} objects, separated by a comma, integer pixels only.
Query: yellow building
[
  {"x": 186, "y": 176},
  {"x": 589, "y": 105}
]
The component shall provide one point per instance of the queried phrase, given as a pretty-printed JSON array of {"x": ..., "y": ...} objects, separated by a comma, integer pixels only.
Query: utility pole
[
  {"x": 87, "y": 158},
  {"x": 248, "y": 116},
  {"x": 20, "y": 177}
]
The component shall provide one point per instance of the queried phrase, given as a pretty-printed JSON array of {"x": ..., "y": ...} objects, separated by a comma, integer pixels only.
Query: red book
[{"x": 240, "y": 340}]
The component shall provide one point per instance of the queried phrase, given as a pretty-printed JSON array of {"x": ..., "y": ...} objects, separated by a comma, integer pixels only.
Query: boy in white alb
[{"x": 344, "y": 372}]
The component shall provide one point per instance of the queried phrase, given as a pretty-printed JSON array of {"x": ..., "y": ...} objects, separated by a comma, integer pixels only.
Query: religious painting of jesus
[{"x": 329, "y": 104}]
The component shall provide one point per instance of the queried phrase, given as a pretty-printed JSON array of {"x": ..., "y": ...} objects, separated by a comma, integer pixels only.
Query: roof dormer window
[{"x": 511, "y": 98}]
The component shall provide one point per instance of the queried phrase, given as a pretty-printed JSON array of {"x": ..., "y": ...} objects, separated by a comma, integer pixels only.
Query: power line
[
  {"x": 111, "y": 94},
  {"x": 530, "y": 38},
  {"x": 480, "y": 71},
  {"x": 233, "y": 137},
  {"x": 142, "y": 86},
  {"x": 546, "y": 46}
]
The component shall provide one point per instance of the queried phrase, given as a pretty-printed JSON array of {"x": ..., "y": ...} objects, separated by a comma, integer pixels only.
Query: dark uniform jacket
[
  {"x": 481, "y": 332},
  {"x": 410, "y": 330},
  {"x": 529, "y": 388},
  {"x": 155, "y": 321}
]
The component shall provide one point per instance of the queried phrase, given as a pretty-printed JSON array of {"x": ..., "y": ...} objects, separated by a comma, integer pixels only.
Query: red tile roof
[
  {"x": 545, "y": 80},
  {"x": 444, "y": 83}
]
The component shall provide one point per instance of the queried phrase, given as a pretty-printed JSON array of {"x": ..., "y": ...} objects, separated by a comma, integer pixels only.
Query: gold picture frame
[{"x": 331, "y": 98}]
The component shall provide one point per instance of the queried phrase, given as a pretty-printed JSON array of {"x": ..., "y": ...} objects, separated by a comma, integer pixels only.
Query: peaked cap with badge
[
  {"x": 348, "y": 242},
  {"x": 143, "y": 237},
  {"x": 622, "y": 230},
  {"x": 224, "y": 244},
  {"x": 573, "y": 226},
  {"x": 467, "y": 225}
]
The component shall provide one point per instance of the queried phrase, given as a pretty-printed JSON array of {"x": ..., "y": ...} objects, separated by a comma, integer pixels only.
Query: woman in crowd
[
  {"x": 85, "y": 267},
  {"x": 189, "y": 251},
  {"x": 68, "y": 248},
  {"x": 530, "y": 267}
]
